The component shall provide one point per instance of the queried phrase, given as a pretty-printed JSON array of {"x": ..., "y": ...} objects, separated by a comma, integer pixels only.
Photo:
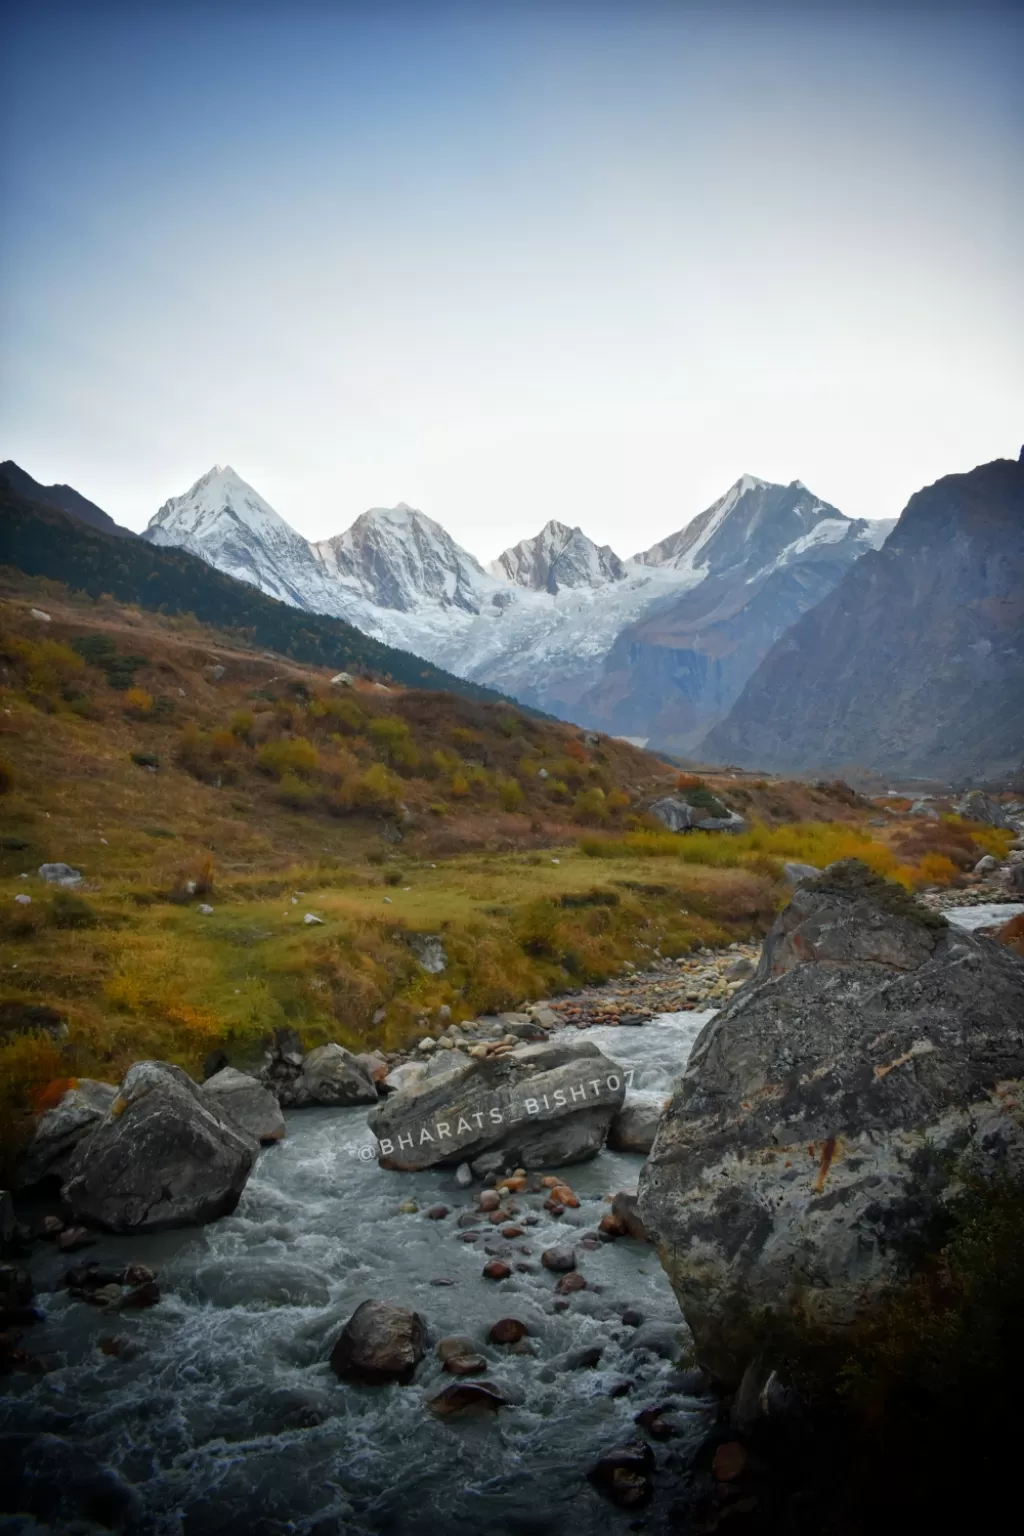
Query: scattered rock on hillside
[
  {"x": 532, "y": 1106},
  {"x": 250, "y": 1104},
  {"x": 813, "y": 1134},
  {"x": 61, "y": 874},
  {"x": 59, "y": 1131},
  {"x": 380, "y": 1343},
  {"x": 162, "y": 1156}
]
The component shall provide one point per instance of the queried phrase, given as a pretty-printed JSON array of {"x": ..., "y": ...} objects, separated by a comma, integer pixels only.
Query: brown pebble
[
  {"x": 465, "y": 1365},
  {"x": 512, "y": 1231},
  {"x": 437, "y": 1213},
  {"x": 571, "y": 1282},
  {"x": 496, "y": 1270},
  {"x": 507, "y": 1330},
  {"x": 729, "y": 1461}
]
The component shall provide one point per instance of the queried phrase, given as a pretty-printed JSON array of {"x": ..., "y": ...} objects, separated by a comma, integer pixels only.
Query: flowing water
[
  {"x": 984, "y": 915},
  {"x": 222, "y": 1414}
]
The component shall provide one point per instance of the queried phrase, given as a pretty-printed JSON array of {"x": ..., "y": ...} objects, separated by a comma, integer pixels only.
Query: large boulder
[
  {"x": 635, "y": 1126},
  {"x": 380, "y": 1343},
  {"x": 674, "y": 814},
  {"x": 164, "y": 1155},
  {"x": 822, "y": 1117},
  {"x": 977, "y": 806},
  {"x": 59, "y": 1131},
  {"x": 540, "y": 1105},
  {"x": 330, "y": 1074},
  {"x": 247, "y": 1102}
]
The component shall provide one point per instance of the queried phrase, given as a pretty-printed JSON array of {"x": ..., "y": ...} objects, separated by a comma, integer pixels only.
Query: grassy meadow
[{"x": 265, "y": 793}]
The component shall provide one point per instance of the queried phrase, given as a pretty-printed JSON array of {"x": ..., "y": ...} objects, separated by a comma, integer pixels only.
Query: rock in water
[
  {"x": 163, "y": 1156},
  {"x": 330, "y": 1074},
  {"x": 59, "y": 1131},
  {"x": 820, "y": 1118},
  {"x": 380, "y": 1343},
  {"x": 537, "y": 1105},
  {"x": 246, "y": 1101},
  {"x": 635, "y": 1125}
]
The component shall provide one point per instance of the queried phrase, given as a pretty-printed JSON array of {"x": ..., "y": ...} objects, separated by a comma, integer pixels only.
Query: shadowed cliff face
[
  {"x": 677, "y": 672},
  {"x": 915, "y": 662}
]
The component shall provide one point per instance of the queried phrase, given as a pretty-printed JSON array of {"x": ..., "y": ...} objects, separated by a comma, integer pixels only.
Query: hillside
[
  {"x": 173, "y": 767},
  {"x": 64, "y": 497},
  {"x": 914, "y": 662},
  {"x": 44, "y": 541}
]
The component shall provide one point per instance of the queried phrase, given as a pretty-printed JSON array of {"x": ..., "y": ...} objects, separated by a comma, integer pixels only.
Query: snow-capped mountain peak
[
  {"x": 559, "y": 556},
  {"x": 224, "y": 521},
  {"x": 753, "y": 524},
  {"x": 397, "y": 557}
]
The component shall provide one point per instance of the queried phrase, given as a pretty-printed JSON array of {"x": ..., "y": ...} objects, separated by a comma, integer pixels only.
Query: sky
[{"x": 508, "y": 262}]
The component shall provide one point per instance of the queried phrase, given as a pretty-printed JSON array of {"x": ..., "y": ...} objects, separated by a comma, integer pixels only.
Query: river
[{"x": 223, "y": 1415}]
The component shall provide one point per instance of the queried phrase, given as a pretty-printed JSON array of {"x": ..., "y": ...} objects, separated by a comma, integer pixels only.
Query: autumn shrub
[
  {"x": 590, "y": 807},
  {"x": 242, "y": 724},
  {"x": 138, "y": 704},
  {"x": 374, "y": 789},
  {"x": 510, "y": 792},
  {"x": 288, "y": 755},
  {"x": 464, "y": 736},
  {"x": 46, "y": 669},
  {"x": 7, "y": 779},
  {"x": 296, "y": 793},
  {"x": 393, "y": 739},
  {"x": 689, "y": 781},
  {"x": 458, "y": 788}
]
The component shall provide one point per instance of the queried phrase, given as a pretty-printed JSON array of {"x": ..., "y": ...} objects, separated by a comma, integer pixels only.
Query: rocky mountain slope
[
  {"x": 64, "y": 497},
  {"x": 757, "y": 560},
  {"x": 915, "y": 661},
  {"x": 553, "y": 610}
]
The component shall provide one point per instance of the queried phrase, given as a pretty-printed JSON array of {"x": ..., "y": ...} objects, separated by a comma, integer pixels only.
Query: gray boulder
[
  {"x": 822, "y": 1117},
  {"x": 61, "y": 874},
  {"x": 163, "y": 1155},
  {"x": 634, "y": 1127},
  {"x": 330, "y": 1074},
  {"x": 429, "y": 951},
  {"x": 59, "y": 1131},
  {"x": 248, "y": 1103},
  {"x": 539, "y": 1105},
  {"x": 674, "y": 814},
  {"x": 333, "y": 1075},
  {"x": 977, "y": 806},
  {"x": 380, "y": 1343}
]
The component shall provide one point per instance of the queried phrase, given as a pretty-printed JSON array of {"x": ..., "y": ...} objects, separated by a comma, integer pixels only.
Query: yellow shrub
[
  {"x": 459, "y": 786},
  {"x": 138, "y": 703},
  {"x": 290, "y": 755}
]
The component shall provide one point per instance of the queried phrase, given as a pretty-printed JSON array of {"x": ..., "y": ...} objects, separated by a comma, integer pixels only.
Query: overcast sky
[{"x": 510, "y": 262}]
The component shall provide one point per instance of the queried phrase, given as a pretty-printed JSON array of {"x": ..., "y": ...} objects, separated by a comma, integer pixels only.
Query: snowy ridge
[
  {"x": 558, "y": 557},
  {"x": 540, "y": 623}
]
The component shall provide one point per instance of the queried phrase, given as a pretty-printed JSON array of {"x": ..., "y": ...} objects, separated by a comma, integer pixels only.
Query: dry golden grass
[{"x": 267, "y": 795}]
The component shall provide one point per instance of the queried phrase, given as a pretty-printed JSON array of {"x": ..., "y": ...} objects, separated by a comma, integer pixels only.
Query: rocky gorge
[{"x": 383, "y": 1340}]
